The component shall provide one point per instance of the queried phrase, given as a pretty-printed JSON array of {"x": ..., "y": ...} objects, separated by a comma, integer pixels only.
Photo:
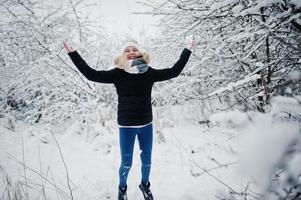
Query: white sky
[{"x": 116, "y": 16}]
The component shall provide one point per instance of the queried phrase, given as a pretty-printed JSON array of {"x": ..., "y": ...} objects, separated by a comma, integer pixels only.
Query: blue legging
[{"x": 127, "y": 141}]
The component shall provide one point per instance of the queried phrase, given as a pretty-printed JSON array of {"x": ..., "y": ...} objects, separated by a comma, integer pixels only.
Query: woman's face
[{"x": 131, "y": 52}]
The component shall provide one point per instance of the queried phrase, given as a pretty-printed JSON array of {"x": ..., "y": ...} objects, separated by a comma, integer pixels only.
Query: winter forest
[{"x": 227, "y": 128}]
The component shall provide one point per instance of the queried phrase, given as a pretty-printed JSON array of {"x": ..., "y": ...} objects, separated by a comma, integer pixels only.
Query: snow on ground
[
  {"x": 93, "y": 173},
  {"x": 178, "y": 162}
]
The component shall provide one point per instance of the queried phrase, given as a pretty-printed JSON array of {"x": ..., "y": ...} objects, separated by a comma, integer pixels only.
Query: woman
[{"x": 133, "y": 79}]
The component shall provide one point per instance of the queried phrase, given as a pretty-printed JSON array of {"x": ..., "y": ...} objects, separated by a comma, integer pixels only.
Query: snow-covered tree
[
  {"x": 38, "y": 79},
  {"x": 246, "y": 50}
]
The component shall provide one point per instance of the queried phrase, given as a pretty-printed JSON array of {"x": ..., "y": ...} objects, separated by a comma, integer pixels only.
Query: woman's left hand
[
  {"x": 192, "y": 46},
  {"x": 190, "y": 42}
]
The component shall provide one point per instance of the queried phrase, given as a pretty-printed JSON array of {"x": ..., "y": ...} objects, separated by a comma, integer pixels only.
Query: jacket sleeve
[
  {"x": 174, "y": 71},
  {"x": 92, "y": 74}
]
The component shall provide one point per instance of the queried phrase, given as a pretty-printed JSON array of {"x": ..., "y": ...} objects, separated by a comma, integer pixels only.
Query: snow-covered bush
[{"x": 270, "y": 150}]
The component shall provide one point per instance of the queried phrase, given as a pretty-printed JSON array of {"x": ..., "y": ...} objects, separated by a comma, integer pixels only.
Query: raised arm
[
  {"x": 174, "y": 71},
  {"x": 91, "y": 74}
]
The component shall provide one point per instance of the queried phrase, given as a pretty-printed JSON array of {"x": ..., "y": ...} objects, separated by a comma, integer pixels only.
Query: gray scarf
[{"x": 136, "y": 66}]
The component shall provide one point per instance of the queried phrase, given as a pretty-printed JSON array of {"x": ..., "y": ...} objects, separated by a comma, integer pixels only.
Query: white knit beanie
[{"x": 130, "y": 44}]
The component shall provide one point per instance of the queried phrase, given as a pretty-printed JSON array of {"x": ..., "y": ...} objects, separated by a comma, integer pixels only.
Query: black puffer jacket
[{"x": 134, "y": 90}]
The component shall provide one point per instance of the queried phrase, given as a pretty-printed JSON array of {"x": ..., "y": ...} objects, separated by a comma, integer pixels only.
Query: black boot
[
  {"x": 122, "y": 193},
  {"x": 147, "y": 194}
]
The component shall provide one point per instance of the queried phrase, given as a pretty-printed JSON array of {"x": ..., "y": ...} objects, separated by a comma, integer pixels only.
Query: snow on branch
[{"x": 231, "y": 86}]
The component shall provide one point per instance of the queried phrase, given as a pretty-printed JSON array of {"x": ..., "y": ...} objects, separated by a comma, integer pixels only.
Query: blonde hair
[{"x": 122, "y": 61}]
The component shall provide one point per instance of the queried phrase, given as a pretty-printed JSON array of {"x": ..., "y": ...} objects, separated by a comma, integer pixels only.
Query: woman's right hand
[{"x": 68, "y": 48}]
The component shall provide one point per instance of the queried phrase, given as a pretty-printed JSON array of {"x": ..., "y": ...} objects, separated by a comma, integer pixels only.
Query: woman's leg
[
  {"x": 126, "y": 141},
  {"x": 145, "y": 138}
]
